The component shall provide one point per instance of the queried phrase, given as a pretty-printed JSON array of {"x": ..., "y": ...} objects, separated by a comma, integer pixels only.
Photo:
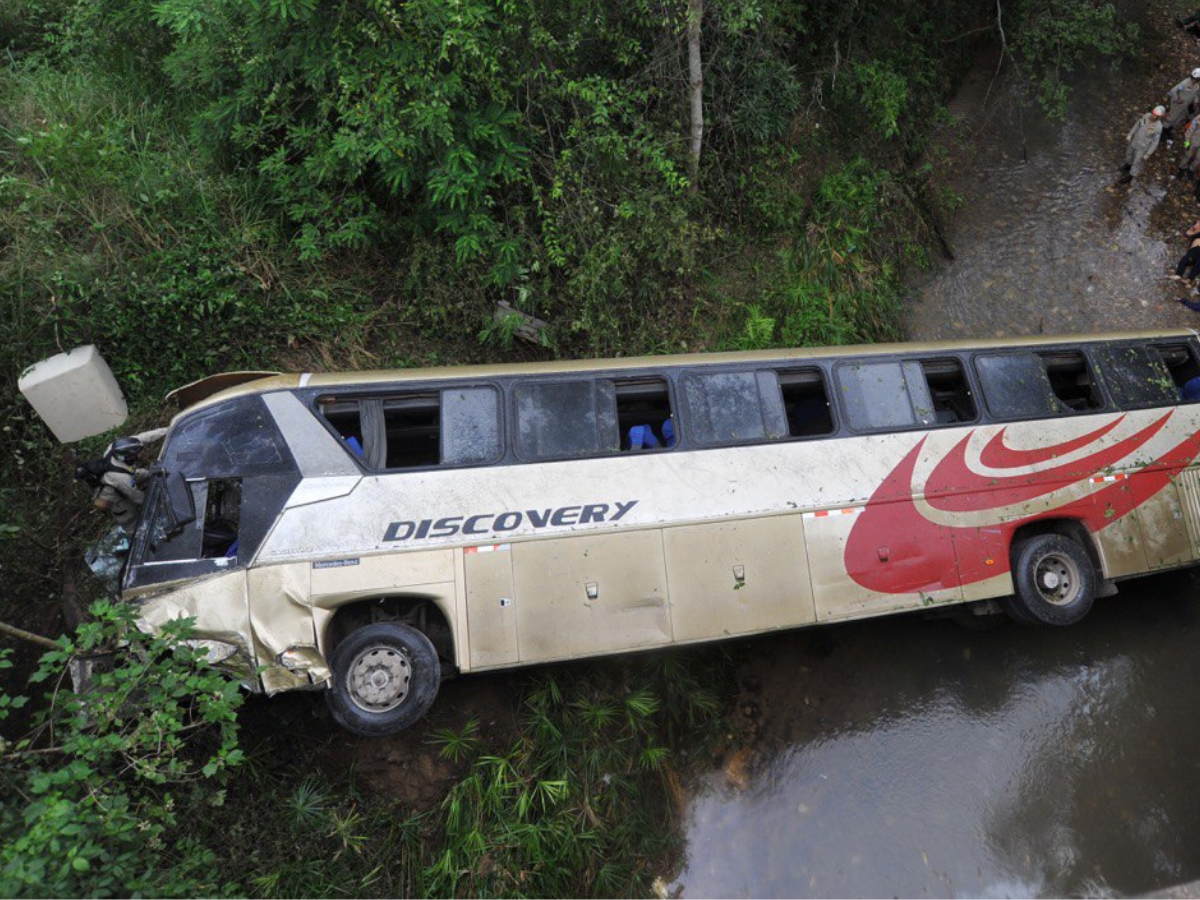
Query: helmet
[
  {"x": 1159, "y": 111},
  {"x": 126, "y": 449},
  {"x": 1196, "y": 74}
]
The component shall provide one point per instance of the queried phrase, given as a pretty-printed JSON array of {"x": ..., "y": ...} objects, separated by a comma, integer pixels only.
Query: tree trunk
[{"x": 695, "y": 86}]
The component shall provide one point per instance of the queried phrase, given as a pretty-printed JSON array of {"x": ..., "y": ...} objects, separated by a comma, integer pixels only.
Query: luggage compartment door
[
  {"x": 899, "y": 564},
  {"x": 491, "y": 612},
  {"x": 591, "y": 594},
  {"x": 738, "y": 577}
]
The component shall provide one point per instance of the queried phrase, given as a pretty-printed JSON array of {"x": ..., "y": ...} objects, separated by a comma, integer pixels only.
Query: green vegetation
[
  {"x": 92, "y": 799},
  {"x": 1056, "y": 37},
  {"x": 199, "y": 185},
  {"x": 139, "y": 786}
]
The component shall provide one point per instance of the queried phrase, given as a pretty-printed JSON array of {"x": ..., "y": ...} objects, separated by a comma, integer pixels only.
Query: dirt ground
[{"x": 407, "y": 768}]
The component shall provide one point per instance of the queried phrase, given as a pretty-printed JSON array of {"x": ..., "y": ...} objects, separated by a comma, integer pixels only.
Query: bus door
[
  {"x": 240, "y": 473},
  {"x": 881, "y": 551},
  {"x": 189, "y": 575}
]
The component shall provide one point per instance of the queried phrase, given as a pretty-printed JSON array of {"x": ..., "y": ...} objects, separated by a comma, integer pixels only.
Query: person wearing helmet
[
  {"x": 1181, "y": 102},
  {"x": 1190, "y": 164},
  {"x": 119, "y": 488},
  {"x": 1142, "y": 142}
]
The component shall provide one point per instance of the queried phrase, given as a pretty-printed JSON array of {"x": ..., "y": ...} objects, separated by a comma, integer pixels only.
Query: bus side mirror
[{"x": 181, "y": 508}]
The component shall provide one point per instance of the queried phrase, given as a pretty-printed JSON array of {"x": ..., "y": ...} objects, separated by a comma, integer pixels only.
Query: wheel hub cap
[
  {"x": 379, "y": 679},
  {"x": 1057, "y": 579}
]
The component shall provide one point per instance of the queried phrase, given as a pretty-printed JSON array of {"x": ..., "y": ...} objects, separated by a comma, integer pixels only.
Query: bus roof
[{"x": 491, "y": 370}]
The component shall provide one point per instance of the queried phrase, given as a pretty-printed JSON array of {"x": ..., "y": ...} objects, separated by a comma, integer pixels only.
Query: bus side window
[
  {"x": 222, "y": 515},
  {"x": 1137, "y": 376},
  {"x": 453, "y": 427},
  {"x": 1071, "y": 380},
  {"x": 1180, "y": 361},
  {"x": 412, "y": 425},
  {"x": 563, "y": 419},
  {"x": 949, "y": 391},
  {"x": 643, "y": 414},
  {"x": 360, "y": 425},
  {"x": 805, "y": 402},
  {"x": 213, "y": 534},
  {"x": 882, "y": 395},
  {"x": 470, "y": 426},
  {"x": 733, "y": 407},
  {"x": 1015, "y": 385}
]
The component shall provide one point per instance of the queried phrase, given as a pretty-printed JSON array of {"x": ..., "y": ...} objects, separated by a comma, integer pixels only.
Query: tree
[{"x": 695, "y": 86}]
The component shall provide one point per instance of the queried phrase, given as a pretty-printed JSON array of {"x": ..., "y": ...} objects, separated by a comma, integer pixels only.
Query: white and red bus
[{"x": 370, "y": 533}]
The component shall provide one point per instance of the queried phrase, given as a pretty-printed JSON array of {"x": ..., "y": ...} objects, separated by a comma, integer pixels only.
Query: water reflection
[{"x": 940, "y": 762}]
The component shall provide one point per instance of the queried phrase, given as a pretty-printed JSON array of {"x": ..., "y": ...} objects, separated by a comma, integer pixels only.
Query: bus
[{"x": 370, "y": 534}]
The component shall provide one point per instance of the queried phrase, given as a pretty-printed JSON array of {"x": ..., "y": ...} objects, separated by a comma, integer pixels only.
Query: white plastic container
[{"x": 75, "y": 393}]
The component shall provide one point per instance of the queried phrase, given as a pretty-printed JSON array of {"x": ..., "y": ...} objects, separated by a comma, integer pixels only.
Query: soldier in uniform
[
  {"x": 1191, "y": 150},
  {"x": 1143, "y": 141},
  {"x": 1180, "y": 101}
]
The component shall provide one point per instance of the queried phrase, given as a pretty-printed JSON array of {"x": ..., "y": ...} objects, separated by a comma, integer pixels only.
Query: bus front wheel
[
  {"x": 1055, "y": 581},
  {"x": 385, "y": 677}
]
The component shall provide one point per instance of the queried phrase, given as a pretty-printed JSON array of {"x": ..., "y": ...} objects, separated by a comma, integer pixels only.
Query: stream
[{"x": 909, "y": 757}]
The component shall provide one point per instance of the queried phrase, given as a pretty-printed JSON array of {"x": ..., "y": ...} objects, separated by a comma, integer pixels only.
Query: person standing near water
[
  {"x": 1191, "y": 150},
  {"x": 1181, "y": 99},
  {"x": 1142, "y": 142}
]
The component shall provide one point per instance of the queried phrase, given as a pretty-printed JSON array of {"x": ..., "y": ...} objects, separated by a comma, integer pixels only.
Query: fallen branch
[
  {"x": 28, "y": 636},
  {"x": 987, "y": 27}
]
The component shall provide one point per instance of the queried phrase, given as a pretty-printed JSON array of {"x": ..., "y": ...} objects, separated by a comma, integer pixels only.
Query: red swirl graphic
[
  {"x": 953, "y": 487},
  {"x": 894, "y": 549},
  {"x": 995, "y": 455}
]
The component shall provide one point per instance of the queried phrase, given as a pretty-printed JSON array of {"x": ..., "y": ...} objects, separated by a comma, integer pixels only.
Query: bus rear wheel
[
  {"x": 1055, "y": 581},
  {"x": 385, "y": 678}
]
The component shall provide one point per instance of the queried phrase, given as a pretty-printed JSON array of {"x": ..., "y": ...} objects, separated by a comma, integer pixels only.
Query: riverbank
[{"x": 1046, "y": 240}]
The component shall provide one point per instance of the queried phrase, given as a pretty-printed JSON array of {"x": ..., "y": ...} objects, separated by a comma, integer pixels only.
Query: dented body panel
[{"x": 526, "y": 561}]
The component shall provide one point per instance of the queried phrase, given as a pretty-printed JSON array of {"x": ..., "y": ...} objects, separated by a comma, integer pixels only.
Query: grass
[
  {"x": 116, "y": 231},
  {"x": 580, "y": 802}
]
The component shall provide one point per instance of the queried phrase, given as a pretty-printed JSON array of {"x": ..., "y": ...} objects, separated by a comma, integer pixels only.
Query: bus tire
[
  {"x": 1055, "y": 581},
  {"x": 385, "y": 678}
]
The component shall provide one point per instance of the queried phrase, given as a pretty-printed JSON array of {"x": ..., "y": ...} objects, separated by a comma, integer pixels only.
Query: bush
[
  {"x": 90, "y": 798},
  {"x": 114, "y": 235},
  {"x": 1054, "y": 37}
]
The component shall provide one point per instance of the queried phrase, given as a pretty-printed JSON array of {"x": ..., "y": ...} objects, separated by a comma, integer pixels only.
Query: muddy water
[
  {"x": 1045, "y": 240},
  {"x": 907, "y": 757},
  {"x": 912, "y": 758}
]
